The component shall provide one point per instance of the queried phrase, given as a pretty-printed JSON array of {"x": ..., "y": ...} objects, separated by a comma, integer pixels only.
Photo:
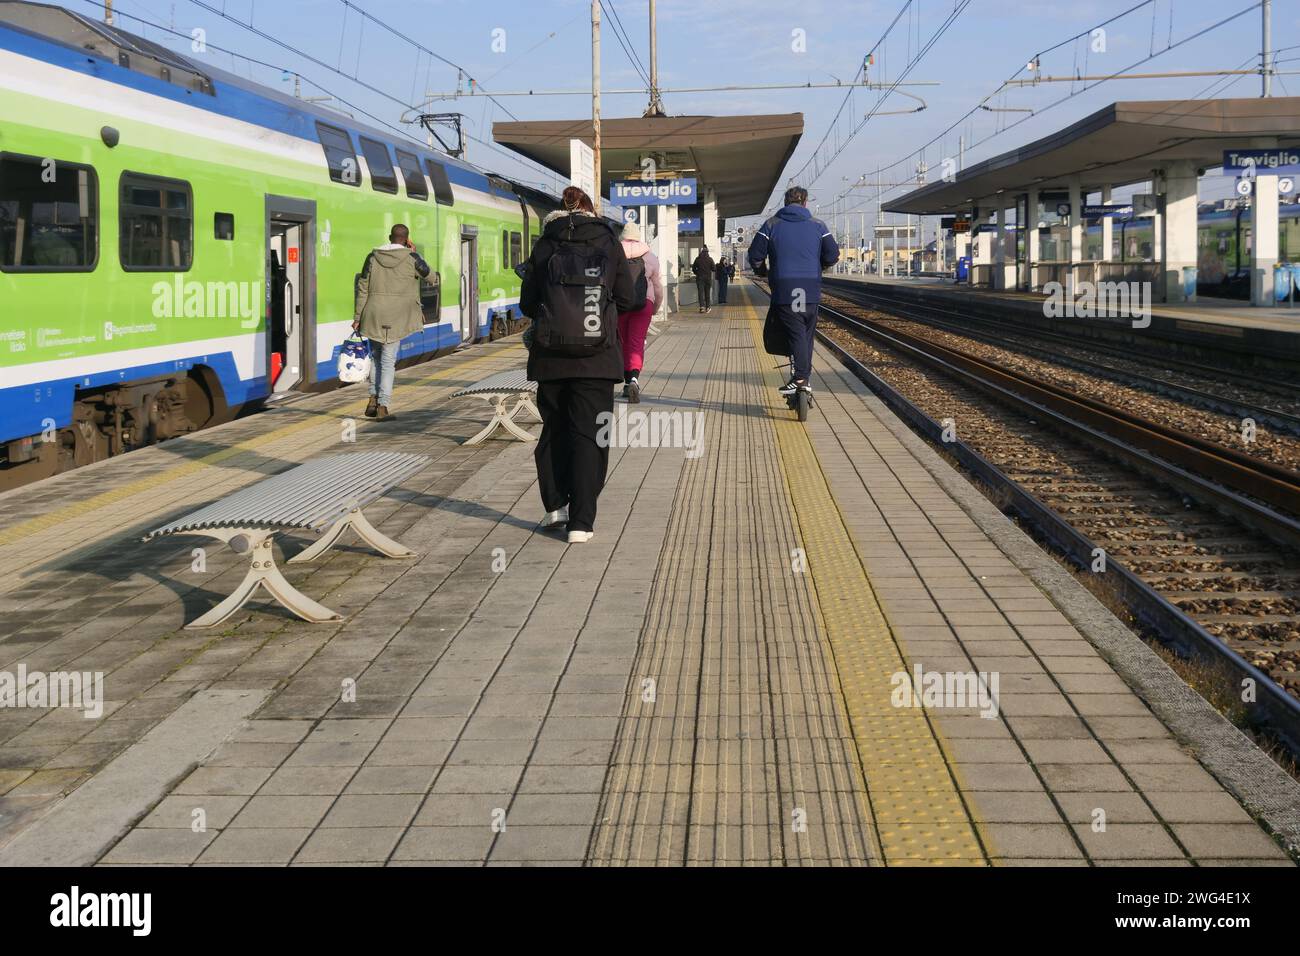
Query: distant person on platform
[
  {"x": 703, "y": 266},
  {"x": 388, "y": 310},
  {"x": 725, "y": 272},
  {"x": 797, "y": 248}
]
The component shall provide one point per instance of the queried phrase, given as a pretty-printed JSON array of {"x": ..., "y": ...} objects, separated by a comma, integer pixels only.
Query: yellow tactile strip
[{"x": 919, "y": 813}]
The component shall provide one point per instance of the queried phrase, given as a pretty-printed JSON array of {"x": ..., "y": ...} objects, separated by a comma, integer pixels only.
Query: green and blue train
[{"x": 178, "y": 243}]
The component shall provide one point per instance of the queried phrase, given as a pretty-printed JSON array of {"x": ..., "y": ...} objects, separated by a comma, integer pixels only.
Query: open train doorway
[
  {"x": 468, "y": 283},
  {"x": 290, "y": 288}
]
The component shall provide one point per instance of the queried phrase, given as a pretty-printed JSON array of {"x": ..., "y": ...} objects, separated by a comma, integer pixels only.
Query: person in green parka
[{"x": 388, "y": 310}]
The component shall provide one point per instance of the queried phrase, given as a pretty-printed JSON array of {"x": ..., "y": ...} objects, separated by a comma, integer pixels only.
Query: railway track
[
  {"x": 1202, "y": 547},
  {"x": 1275, "y": 404}
]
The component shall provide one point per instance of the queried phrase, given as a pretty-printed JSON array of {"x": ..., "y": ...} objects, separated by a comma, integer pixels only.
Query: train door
[
  {"x": 290, "y": 294},
  {"x": 468, "y": 283}
]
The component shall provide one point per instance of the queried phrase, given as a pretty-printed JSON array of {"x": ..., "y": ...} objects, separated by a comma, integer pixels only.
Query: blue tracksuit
[{"x": 797, "y": 248}]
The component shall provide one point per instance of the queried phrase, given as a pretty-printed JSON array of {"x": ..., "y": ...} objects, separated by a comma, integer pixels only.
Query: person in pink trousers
[{"x": 632, "y": 326}]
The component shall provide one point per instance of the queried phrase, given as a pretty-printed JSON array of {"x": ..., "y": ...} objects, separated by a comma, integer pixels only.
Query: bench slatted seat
[
  {"x": 325, "y": 495},
  {"x": 498, "y": 390}
]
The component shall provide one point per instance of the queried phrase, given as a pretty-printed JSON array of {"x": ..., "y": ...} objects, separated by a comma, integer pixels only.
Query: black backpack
[
  {"x": 571, "y": 318},
  {"x": 640, "y": 285}
]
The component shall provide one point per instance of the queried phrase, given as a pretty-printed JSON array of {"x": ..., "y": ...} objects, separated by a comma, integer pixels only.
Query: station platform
[
  {"x": 721, "y": 676},
  {"x": 1214, "y": 323}
]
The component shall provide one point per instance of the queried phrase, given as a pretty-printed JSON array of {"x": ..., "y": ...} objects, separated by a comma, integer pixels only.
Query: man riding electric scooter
[{"x": 797, "y": 249}]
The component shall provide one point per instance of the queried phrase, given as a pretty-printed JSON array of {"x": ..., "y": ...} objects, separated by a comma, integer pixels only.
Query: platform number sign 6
[{"x": 1244, "y": 186}]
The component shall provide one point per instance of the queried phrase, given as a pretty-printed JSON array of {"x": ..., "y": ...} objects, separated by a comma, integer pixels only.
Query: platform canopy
[
  {"x": 740, "y": 157},
  {"x": 1116, "y": 146}
]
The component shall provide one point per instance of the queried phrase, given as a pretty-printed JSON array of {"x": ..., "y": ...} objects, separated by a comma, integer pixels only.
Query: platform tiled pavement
[
  {"x": 480, "y": 696},
  {"x": 81, "y": 592},
  {"x": 517, "y": 697}
]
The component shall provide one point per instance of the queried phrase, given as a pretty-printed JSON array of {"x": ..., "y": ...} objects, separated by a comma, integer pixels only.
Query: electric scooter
[{"x": 801, "y": 399}]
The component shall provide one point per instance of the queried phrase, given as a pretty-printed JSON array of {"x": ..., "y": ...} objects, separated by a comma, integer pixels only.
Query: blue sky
[{"x": 546, "y": 44}]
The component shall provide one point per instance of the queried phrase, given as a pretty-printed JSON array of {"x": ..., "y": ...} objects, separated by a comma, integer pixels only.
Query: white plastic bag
[{"x": 354, "y": 359}]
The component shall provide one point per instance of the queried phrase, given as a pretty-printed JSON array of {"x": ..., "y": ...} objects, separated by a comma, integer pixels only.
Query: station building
[{"x": 1028, "y": 209}]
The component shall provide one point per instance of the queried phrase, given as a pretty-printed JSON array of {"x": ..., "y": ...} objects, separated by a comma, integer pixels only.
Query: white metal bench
[
  {"x": 499, "y": 390},
  {"x": 325, "y": 495}
]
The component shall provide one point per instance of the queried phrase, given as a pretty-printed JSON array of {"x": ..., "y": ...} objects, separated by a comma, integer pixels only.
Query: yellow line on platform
[
  {"x": 915, "y": 802},
  {"x": 86, "y": 506}
]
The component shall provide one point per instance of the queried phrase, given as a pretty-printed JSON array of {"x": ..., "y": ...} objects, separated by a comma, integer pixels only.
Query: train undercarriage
[{"x": 112, "y": 420}]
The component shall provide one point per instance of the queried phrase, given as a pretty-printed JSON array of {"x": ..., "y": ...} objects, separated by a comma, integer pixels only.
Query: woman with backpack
[
  {"x": 575, "y": 284},
  {"x": 648, "y": 291}
]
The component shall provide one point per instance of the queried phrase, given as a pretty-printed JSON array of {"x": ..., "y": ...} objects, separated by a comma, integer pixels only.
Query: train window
[
  {"x": 441, "y": 184},
  {"x": 48, "y": 215},
  {"x": 155, "y": 224},
  {"x": 516, "y": 249},
  {"x": 339, "y": 155},
  {"x": 223, "y": 225},
  {"x": 381, "y": 165},
  {"x": 416, "y": 187}
]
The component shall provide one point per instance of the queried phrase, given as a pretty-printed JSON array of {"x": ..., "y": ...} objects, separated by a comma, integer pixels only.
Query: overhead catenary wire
[
  {"x": 620, "y": 34},
  {"x": 920, "y": 151},
  {"x": 384, "y": 25},
  {"x": 957, "y": 10},
  {"x": 861, "y": 70},
  {"x": 1118, "y": 74},
  {"x": 362, "y": 83},
  {"x": 366, "y": 16},
  {"x": 350, "y": 105}
]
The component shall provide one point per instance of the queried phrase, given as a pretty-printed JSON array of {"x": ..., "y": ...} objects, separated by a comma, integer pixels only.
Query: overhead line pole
[
  {"x": 656, "y": 107},
  {"x": 1266, "y": 48},
  {"x": 595, "y": 99}
]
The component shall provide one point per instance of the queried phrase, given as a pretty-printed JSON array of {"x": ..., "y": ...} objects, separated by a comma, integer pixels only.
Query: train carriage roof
[{"x": 64, "y": 38}]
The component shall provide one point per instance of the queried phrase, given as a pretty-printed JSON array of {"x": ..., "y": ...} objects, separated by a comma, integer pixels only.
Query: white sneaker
[
  {"x": 580, "y": 537},
  {"x": 555, "y": 518}
]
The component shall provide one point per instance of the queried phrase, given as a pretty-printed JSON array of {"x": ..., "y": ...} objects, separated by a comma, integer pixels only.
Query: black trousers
[
  {"x": 722, "y": 291},
  {"x": 799, "y": 328},
  {"x": 705, "y": 288},
  {"x": 571, "y": 463}
]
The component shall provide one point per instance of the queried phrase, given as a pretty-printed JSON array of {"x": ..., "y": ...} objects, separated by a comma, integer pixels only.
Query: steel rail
[{"x": 1010, "y": 336}]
